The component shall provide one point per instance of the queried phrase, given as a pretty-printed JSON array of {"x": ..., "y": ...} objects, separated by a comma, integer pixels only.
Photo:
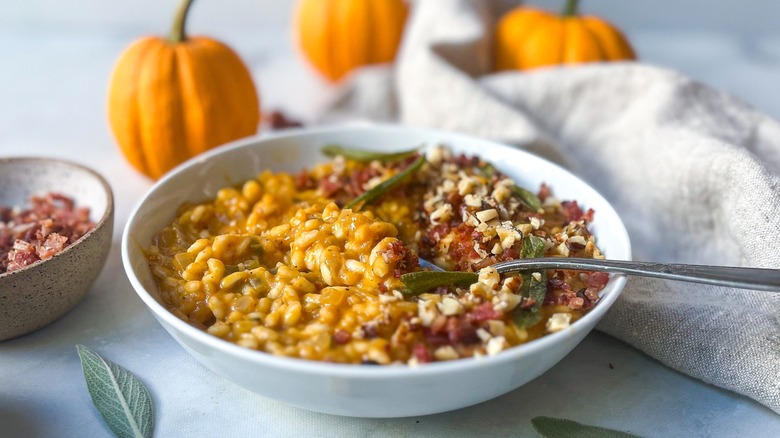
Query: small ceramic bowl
[
  {"x": 42, "y": 292},
  {"x": 354, "y": 390}
]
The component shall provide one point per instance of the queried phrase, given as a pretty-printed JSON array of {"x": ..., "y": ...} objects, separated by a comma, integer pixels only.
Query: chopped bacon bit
[
  {"x": 355, "y": 185},
  {"x": 462, "y": 246},
  {"x": 597, "y": 279},
  {"x": 459, "y": 330},
  {"x": 421, "y": 353},
  {"x": 53, "y": 244},
  {"x": 592, "y": 294},
  {"x": 508, "y": 254},
  {"x": 341, "y": 337},
  {"x": 576, "y": 303},
  {"x": 279, "y": 120},
  {"x": 50, "y": 224},
  {"x": 370, "y": 330},
  {"x": 544, "y": 192},
  {"x": 463, "y": 161},
  {"x": 402, "y": 256},
  {"x": 484, "y": 312},
  {"x": 330, "y": 185},
  {"x": 436, "y": 339},
  {"x": 557, "y": 283},
  {"x": 304, "y": 181},
  {"x": 572, "y": 210}
]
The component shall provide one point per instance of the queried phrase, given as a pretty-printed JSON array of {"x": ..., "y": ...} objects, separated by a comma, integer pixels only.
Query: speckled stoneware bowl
[{"x": 37, "y": 295}]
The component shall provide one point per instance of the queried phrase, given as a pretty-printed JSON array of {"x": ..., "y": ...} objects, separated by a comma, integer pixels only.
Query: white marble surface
[{"x": 55, "y": 60}]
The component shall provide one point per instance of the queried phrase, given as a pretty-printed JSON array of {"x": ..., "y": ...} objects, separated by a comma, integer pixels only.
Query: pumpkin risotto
[{"x": 312, "y": 265}]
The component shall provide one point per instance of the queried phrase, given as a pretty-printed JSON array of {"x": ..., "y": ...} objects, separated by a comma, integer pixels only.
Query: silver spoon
[{"x": 729, "y": 276}]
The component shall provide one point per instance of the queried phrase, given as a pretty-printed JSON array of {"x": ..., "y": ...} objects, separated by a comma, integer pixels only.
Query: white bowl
[{"x": 354, "y": 390}]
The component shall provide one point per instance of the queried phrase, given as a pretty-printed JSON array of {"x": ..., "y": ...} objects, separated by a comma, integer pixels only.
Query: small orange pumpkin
[
  {"x": 337, "y": 36},
  {"x": 527, "y": 38},
  {"x": 171, "y": 99}
]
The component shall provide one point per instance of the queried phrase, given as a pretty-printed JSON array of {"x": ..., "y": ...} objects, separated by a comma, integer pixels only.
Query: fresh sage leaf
[
  {"x": 424, "y": 281},
  {"x": 548, "y": 427},
  {"x": 119, "y": 396},
  {"x": 531, "y": 288},
  {"x": 365, "y": 156},
  {"x": 533, "y": 247},
  {"x": 370, "y": 196},
  {"x": 526, "y": 197},
  {"x": 488, "y": 170}
]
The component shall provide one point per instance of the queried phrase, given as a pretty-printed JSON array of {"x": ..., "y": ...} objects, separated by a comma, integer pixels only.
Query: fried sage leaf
[
  {"x": 370, "y": 196},
  {"x": 548, "y": 427},
  {"x": 528, "y": 198},
  {"x": 533, "y": 286},
  {"x": 365, "y": 156},
  {"x": 119, "y": 396},
  {"x": 425, "y": 281},
  {"x": 525, "y": 196}
]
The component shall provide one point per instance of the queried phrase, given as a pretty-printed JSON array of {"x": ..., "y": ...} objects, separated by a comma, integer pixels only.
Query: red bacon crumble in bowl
[{"x": 50, "y": 224}]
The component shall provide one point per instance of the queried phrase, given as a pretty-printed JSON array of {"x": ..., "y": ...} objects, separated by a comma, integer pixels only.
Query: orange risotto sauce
[{"x": 279, "y": 264}]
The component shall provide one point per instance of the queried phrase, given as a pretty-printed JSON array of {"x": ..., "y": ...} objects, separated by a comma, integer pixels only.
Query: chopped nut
[
  {"x": 427, "y": 311},
  {"x": 450, "y": 307},
  {"x": 489, "y": 276},
  {"x": 558, "y": 322},
  {"x": 487, "y": 215},
  {"x": 472, "y": 200},
  {"x": 562, "y": 249},
  {"x": 496, "y": 327},
  {"x": 436, "y": 155},
  {"x": 445, "y": 353},
  {"x": 442, "y": 214},
  {"x": 465, "y": 185},
  {"x": 483, "y": 334},
  {"x": 495, "y": 345},
  {"x": 470, "y": 219}
]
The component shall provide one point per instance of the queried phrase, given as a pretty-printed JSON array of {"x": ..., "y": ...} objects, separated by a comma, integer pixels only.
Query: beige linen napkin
[{"x": 693, "y": 173}]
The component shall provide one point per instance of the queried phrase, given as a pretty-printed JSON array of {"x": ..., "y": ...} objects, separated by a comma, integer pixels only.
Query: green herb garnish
[
  {"x": 365, "y": 156},
  {"x": 548, "y": 427},
  {"x": 424, "y": 281},
  {"x": 370, "y": 196},
  {"x": 119, "y": 396},
  {"x": 533, "y": 247},
  {"x": 526, "y": 197}
]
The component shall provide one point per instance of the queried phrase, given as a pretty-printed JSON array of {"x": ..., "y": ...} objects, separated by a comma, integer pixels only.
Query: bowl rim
[
  {"x": 105, "y": 217},
  {"x": 357, "y": 371}
]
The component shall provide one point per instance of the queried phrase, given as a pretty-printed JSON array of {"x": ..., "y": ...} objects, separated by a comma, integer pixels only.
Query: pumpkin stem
[
  {"x": 571, "y": 8},
  {"x": 178, "y": 34}
]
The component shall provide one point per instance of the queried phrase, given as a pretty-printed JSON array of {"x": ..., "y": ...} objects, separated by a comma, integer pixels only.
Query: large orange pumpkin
[
  {"x": 337, "y": 36},
  {"x": 527, "y": 38},
  {"x": 171, "y": 99}
]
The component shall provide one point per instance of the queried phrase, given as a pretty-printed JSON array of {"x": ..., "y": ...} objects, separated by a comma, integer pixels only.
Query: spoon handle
[{"x": 744, "y": 278}]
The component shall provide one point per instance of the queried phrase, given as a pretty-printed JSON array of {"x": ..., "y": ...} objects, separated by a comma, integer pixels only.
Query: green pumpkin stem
[
  {"x": 178, "y": 34},
  {"x": 571, "y": 8}
]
